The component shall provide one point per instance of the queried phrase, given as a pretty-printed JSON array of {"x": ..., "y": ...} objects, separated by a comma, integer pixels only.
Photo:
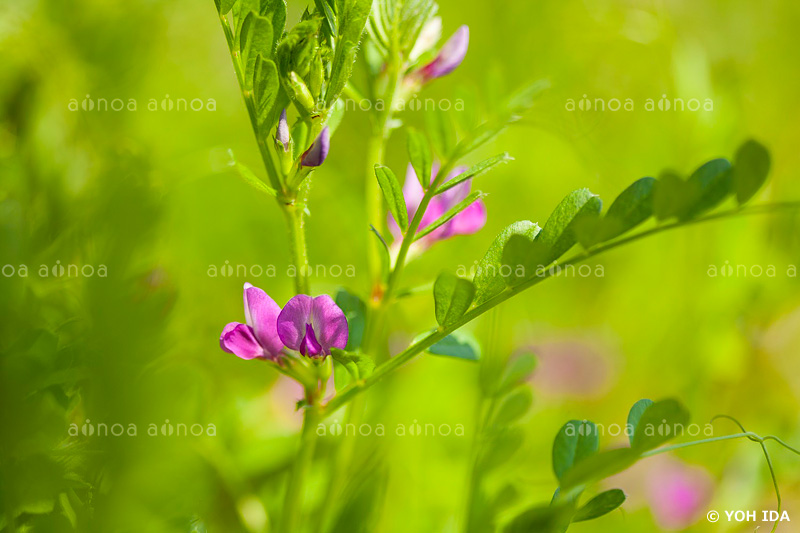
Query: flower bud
[
  {"x": 301, "y": 93},
  {"x": 282, "y": 132},
  {"x": 317, "y": 152},
  {"x": 316, "y": 76},
  {"x": 449, "y": 57}
]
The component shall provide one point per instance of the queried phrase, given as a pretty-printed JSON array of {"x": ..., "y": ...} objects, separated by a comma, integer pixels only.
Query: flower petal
[
  {"x": 317, "y": 152},
  {"x": 329, "y": 323},
  {"x": 469, "y": 221},
  {"x": 450, "y": 56},
  {"x": 238, "y": 339},
  {"x": 293, "y": 319},
  {"x": 412, "y": 190},
  {"x": 456, "y": 194},
  {"x": 261, "y": 314},
  {"x": 309, "y": 346}
]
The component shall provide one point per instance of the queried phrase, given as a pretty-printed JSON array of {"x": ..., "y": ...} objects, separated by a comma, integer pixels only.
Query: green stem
[
  {"x": 413, "y": 227},
  {"x": 376, "y": 147},
  {"x": 292, "y": 204},
  {"x": 293, "y": 500},
  {"x": 437, "y": 335},
  {"x": 682, "y": 445},
  {"x": 295, "y": 220},
  {"x": 374, "y": 202}
]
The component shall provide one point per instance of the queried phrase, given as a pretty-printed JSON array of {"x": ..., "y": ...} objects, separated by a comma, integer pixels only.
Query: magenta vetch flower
[
  {"x": 317, "y": 152},
  {"x": 258, "y": 337},
  {"x": 449, "y": 57},
  {"x": 467, "y": 222},
  {"x": 312, "y": 326}
]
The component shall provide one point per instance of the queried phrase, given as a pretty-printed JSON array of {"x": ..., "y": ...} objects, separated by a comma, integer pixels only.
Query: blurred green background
[{"x": 145, "y": 194}]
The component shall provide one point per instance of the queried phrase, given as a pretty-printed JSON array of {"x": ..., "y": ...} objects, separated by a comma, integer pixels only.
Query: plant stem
[
  {"x": 666, "y": 449},
  {"x": 413, "y": 227},
  {"x": 295, "y": 220},
  {"x": 440, "y": 333},
  {"x": 293, "y": 500},
  {"x": 292, "y": 205},
  {"x": 376, "y": 147}
]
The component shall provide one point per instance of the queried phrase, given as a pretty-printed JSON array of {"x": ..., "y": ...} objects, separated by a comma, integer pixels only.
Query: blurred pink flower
[
  {"x": 571, "y": 368},
  {"x": 678, "y": 493}
]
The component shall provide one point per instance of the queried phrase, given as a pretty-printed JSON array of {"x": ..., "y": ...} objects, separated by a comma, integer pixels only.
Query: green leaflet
[
  {"x": 632, "y": 207},
  {"x": 452, "y": 297},
  {"x": 522, "y": 259},
  {"x": 452, "y": 346},
  {"x": 255, "y": 40},
  {"x": 501, "y": 447},
  {"x": 559, "y": 232},
  {"x": 514, "y": 406},
  {"x": 602, "y": 504},
  {"x": 355, "y": 310},
  {"x": 275, "y": 11},
  {"x": 598, "y": 466},
  {"x": 477, "y": 170},
  {"x": 541, "y": 519},
  {"x": 393, "y": 194},
  {"x": 519, "y": 369},
  {"x": 750, "y": 168},
  {"x": 659, "y": 423},
  {"x": 635, "y": 415},
  {"x": 352, "y": 17},
  {"x": 488, "y": 279},
  {"x": 713, "y": 182},
  {"x": 441, "y": 132},
  {"x": 673, "y": 196},
  {"x": 265, "y": 88},
  {"x": 249, "y": 177},
  {"x": 224, "y": 6},
  {"x": 357, "y": 364},
  {"x": 452, "y": 212},
  {"x": 576, "y": 441},
  {"x": 419, "y": 153}
]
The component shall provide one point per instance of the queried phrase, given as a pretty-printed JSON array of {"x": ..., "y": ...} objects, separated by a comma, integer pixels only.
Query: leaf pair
[
  {"x": 650, "y": 424},
  {"x": 712, "y": 183},
  {"x": 577, "y": 462},
  {"x": 523, "y": 257}
]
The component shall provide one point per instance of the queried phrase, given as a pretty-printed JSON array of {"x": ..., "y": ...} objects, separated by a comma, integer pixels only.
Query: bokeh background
[{"x": 145, "y": 194}]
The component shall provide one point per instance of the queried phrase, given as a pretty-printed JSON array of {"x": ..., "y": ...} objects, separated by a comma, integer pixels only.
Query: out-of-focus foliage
[{"x": 145, "y": 197}]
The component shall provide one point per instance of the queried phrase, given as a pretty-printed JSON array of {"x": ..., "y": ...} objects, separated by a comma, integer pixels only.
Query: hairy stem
[
  {"x": 295, "y": 219},
  {"x": 440, "y": 333},
  {"x": 292, "y": 204}
]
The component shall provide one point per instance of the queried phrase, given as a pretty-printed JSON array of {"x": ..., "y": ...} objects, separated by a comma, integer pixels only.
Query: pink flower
[
  {"x": 449, "y": 57},
  {"x": 467, "y": 222},
  {"x": 258, "y": 337},
  {"x": 311, "y": 326},
  {"x": 678, "y": 493}
]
